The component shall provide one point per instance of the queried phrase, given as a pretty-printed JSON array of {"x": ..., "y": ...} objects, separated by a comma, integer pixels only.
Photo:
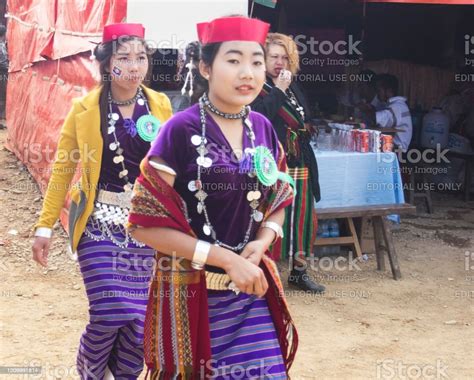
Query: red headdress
[
  {"x": 115, "y": 31},
  {"x": 233, "y": 29}
]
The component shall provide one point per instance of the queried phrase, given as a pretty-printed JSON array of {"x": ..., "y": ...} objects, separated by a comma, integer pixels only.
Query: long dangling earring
[{"x": 189, "y": 77}]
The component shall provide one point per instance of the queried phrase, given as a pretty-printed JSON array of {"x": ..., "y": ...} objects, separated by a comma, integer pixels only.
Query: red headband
[
  {"x": 233, "y": 29},
  {"x": 115, "y": 31}
]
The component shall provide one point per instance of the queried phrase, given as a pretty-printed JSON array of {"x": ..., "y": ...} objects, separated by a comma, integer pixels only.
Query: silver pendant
[
  {"x": 141, "y": 102},
  {"x": 200, "y": 160},
  {"x": 128, "y": 187},
  {"x": 118, "y": 159},
  {"x": 196, "y": 140},
  {"x": 201, "y": 195},
  {"x": 248, "y": 123},
  {"x": 200, "y": 208},
  {"x": 206, "y": 229},
  {"x": 254, "y": 204},
  {"x": 253, "y": 195},
  {"x": 113, "y": 146},
  {"x": 115, "y": 116},
  {"x": 202, "y": 150},
  {"x": 111, "y": 130},
  {"x": 123, "y": 173},
  {"x": 192, "y": 186},
  {"x": 207, "y": 162},
  {"x": 258, "y": 216}
]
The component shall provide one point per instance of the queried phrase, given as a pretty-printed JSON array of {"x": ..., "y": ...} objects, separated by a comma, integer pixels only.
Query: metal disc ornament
[
  {"x": 196, "y": 140},
  {"x": 206, "y": 229},
  {"x": 258, "y": 216},
  {"x": 148, "y": 127}
]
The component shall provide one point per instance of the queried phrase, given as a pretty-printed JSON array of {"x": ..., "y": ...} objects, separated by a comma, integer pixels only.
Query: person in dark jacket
[{"x": 284, "y": 104}]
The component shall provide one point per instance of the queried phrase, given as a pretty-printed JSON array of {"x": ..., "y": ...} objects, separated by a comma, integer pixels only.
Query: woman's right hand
[
  {"x": 283, "y": 80},
  {"x": 247, "y": 277},
  {"x": 41, "y": 249}
]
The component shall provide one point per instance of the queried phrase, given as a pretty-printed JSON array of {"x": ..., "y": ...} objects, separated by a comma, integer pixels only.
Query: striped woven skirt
[
  {"x": 116, "y": 281},
  {"x": 244, "y": 344},
  {"x": 300, "y": 219}
]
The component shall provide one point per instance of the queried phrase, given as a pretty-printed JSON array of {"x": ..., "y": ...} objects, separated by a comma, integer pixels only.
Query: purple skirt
[{"x": 244, "y": 343}]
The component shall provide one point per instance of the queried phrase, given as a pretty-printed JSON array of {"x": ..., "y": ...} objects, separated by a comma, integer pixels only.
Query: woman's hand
[
  {"x": 246, "y": 276},
  {"x": 41, "y": 250},
  {"x": 254, "y": 251},
  {"x": 283, "y": 80}
]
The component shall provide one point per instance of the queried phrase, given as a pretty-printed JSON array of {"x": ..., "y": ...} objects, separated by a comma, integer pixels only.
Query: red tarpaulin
[{"x": 49, "y": 44}]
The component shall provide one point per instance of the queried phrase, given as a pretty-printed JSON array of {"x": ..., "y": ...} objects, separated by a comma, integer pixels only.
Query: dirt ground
[{"x": 366, "y": 326}]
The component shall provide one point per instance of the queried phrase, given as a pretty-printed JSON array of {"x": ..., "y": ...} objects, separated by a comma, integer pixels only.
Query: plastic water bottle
[
  {"x": 333, "y": 228},
  {"x": 323, "y": 229}
]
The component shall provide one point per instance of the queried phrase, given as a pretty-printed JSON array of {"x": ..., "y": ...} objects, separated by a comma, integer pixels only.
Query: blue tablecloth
[{"x": 358, "y": 179}]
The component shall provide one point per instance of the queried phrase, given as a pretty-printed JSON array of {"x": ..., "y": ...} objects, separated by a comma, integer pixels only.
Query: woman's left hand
[{"x": 254, "y": 251}]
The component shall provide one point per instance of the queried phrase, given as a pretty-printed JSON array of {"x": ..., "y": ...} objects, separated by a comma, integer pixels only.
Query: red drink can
[
  {"x": 387, "y": 143},
  {"x": 364, "y": 141},
  {"x": 355, "y": 140}
]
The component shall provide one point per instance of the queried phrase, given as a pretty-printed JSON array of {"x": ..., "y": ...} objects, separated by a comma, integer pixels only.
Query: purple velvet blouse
[
  {"x": 135, "y": 149},
  {"x": 226, "y": 185}
]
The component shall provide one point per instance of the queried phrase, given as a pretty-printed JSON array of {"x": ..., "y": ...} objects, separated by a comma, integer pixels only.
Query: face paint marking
[{"x": 116, "y": 71}]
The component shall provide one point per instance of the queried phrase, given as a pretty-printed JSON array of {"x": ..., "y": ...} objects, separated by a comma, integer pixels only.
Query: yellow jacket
[{"x": 81, "y": 138}]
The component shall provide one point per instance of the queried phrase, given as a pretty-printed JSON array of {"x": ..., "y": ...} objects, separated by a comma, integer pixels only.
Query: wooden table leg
[
  {"x": 379, "y": 248},
  {"x": 392, "y": 254},
  {"x": 353, "y": 231}
]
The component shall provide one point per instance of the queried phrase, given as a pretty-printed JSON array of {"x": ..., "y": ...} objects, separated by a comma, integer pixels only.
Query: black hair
[
  {"x": 206, "y": 54},
  {"x": 388, "y": 82}
]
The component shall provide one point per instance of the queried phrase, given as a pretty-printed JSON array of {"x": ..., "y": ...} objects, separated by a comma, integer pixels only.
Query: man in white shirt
[{"x": 396, "y": 114}]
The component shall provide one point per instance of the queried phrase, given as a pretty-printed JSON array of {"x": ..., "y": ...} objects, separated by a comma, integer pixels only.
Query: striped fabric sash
[{"x": 298, "y": 173}]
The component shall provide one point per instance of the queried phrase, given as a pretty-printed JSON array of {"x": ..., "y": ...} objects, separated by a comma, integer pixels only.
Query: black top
[{"x": 269, "y": 105}]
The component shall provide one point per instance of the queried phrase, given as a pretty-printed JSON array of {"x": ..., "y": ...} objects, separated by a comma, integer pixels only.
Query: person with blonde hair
[{"x": 284, "y": 104}]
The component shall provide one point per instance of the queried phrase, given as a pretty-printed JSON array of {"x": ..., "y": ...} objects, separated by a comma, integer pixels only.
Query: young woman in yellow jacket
[{"x": 107, "y": 132}]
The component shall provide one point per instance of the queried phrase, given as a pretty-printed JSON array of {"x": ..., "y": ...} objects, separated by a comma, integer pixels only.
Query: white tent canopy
[{"x": 172, "y": 24}]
